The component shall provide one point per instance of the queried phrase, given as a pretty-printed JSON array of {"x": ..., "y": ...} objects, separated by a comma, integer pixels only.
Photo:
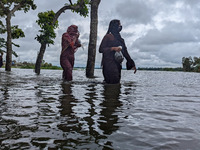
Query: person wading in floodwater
[
  {"x": 70, "y": 44},
  {"x": 110, "y": 46}
]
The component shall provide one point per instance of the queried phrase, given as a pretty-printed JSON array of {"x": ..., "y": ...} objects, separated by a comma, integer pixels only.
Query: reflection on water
[
  {"x": 89, "y": 119},
  {"x": 149, "y": 110},
  {"x": 108, "y": 120}
]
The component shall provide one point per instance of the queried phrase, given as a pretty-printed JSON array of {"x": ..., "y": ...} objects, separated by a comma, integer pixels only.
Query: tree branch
[
  {"x": 81, "y": 2},
  {"x": 70, "y": 2},
  {"x": 4, "y": 9},
  {"x": 16, "y": 7},
  {"x": 1, "y": 4},
  {"x": 58, "y": 13}
]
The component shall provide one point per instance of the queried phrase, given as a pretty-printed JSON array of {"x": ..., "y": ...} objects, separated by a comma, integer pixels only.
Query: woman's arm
[
  {"x": 105, "y": 46},
  {"x": 130, "y": 64}
]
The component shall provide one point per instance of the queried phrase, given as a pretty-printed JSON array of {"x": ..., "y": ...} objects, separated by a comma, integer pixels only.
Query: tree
[
  {"x": 2, "y": 40},
  {"x": 15, "y": 34},
  {"x": 7, "y": 10},
  {"x": 45, "y": 22},
  {"x": 196, "y": 61},
  {"x": 196, "y": 64},
  {"x": 93, "y": 39},
  {"x": 48, "y": 22},
  {"x": 187, "y": 63}
]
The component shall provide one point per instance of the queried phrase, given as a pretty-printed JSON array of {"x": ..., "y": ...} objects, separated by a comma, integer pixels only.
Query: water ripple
[{"x": 148, "y": 110}]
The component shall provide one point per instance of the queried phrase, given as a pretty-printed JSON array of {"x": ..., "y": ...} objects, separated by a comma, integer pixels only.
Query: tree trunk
[
  {"x": 43, "y": 46},
  {"x": 9, "y": 44},
  {"x": 40, "y": 58},
  {"x": 93, "y": 39}
]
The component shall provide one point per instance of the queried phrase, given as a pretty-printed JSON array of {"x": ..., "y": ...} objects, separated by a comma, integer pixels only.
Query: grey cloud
[
  {"x": 174, "y": 53},
  {"x": 84, "y": 37},
  {"x": 126, "y": 35},
  {"x": 169, "y": 53},
  {"x": 148, "y": 45},
  {"x": 135, "y": 11},
  {"x": 192, "y": 2},
  {"x": 171, "y": 33}
]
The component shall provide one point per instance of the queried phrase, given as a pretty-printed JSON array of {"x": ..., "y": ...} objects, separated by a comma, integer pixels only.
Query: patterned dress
[{"x": 70, "y": 44}]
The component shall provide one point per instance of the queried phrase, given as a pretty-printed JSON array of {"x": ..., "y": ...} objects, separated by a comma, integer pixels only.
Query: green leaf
[{"x": 16, "y": 32}]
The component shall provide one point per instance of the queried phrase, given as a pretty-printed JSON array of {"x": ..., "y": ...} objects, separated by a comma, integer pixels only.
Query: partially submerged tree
[
  {"x": 2, "y": 40},
  {"x": 190, "y": 64},
  {"x": 48, "y": 22},
  {"x": 15, "y": 34},
  {"x": 187, "y": 63},
  {"x": 93, "y": 38},
  {"x": 7, "y": 11},
  {"x": 45, "y": 22}
]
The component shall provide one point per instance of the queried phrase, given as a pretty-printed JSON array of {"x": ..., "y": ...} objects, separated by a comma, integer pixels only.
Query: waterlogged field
[{"x": 147, "y": 111}]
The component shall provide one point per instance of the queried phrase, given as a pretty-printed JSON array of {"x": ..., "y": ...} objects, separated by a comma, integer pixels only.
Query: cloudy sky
[{"x": 158, "y": 33}]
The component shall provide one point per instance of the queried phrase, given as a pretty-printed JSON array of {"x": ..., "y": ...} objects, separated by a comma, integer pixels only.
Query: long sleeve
[
  {"x": 104, "y": 46},
  {"x": 130, "y": 63},
  {"x": 65, "y": 44}
]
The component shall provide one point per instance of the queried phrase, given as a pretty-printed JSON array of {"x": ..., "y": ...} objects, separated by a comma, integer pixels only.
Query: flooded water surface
[{"x": 147, "y": 111}]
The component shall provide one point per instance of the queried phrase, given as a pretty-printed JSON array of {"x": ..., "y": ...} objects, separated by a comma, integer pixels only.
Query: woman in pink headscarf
[{"x": 70, "y": 43}]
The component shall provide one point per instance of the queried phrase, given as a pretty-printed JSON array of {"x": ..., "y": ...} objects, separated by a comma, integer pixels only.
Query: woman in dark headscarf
[
  {"x": 112, "y": 43},
  {"x": 70, "y": 43}
]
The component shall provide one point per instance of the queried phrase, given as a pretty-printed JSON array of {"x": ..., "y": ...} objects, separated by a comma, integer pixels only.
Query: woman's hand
[
  {"x": 117, "y": 49},
  {"x": 135, "y": 70}
]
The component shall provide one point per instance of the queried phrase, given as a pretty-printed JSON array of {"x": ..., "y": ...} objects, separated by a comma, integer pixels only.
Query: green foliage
[
  {"x": 190, "y": 64},
  {"x": 197, "y": 68},
  {"x": 27, "y": 5},
  {"x": 2, "y": 43},
  {"x": 83, "y": 10},
  {"x": 45, "y": 22},
  {"x": 14, "y": 53},
  {"x": 2, "y": 28},
  {"x": 24, "y": 5},
  {"x": 16, "y": 32},
  {"x": 2, "y": 40},
  {"x": 8, "y": 8},
  {"x": 28, "y": 65},
  {"x": 187, "y": 63},
  {"x": 196, "y": 61}
]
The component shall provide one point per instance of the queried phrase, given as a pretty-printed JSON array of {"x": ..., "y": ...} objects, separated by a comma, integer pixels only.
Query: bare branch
[
  {"x": 58, "y": 13},
  {"x": 1, "y": 4},
  {"x": 70, "y": 2},
  {"x": 16, "y": 7}
]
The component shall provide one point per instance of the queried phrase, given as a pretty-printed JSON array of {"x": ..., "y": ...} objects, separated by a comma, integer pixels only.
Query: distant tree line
[
  {"x": 160, "y": 69},
  {"x": 29, "y": 65},
  {"x": 191, "y": 64}
]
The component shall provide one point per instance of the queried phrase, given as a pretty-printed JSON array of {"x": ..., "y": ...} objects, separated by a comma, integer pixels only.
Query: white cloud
[{"x": 157, "y": 33}]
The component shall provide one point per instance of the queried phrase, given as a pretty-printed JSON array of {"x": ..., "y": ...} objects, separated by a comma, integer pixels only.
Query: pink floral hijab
[{"x": 70, "y": 37}]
